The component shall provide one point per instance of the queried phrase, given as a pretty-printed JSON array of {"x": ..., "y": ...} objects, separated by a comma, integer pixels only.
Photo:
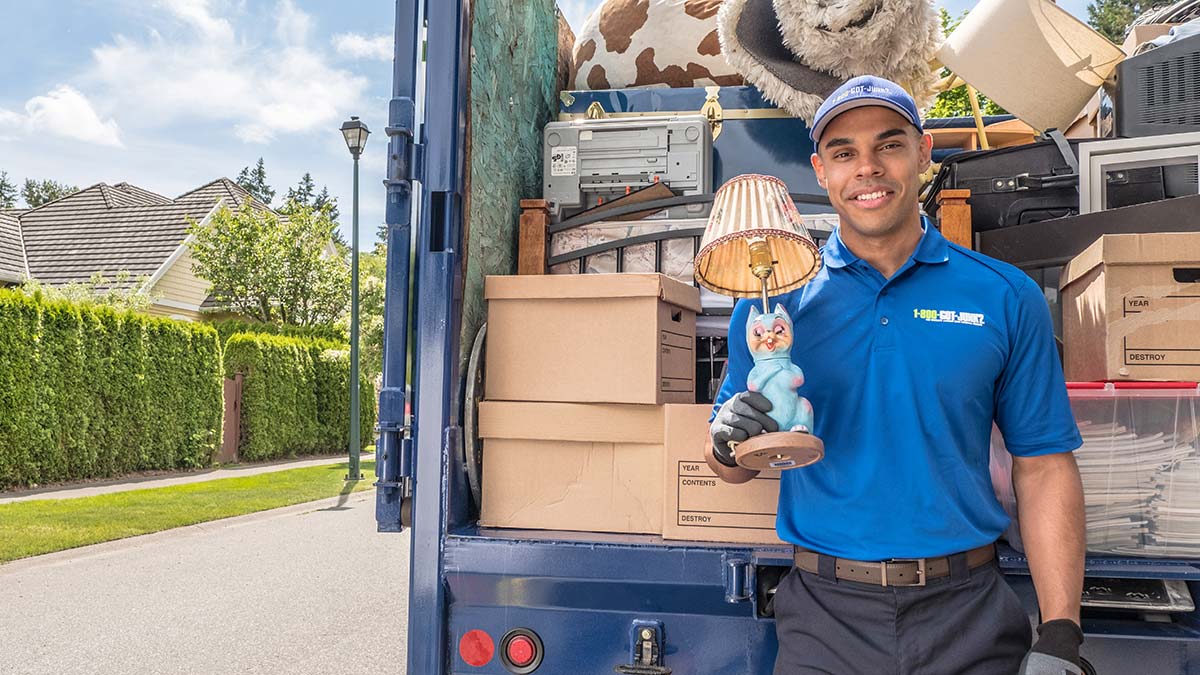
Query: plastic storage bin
[{"x": 1139, "y": 464}]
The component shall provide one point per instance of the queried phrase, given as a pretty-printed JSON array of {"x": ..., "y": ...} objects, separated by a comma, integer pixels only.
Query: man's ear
[
  {"x": 819, "y": 167},
  {"x": 926, "y": 152}
]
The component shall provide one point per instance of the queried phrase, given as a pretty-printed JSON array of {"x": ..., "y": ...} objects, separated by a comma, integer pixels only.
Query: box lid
[
  {"x": 534, "y": 286},
  {"x": 1161, "y": 248},
  {"x": 585, "y": 422}
]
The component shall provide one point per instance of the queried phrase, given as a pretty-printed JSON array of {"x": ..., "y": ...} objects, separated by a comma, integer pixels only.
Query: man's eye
[
  {"x": 841, "y": 155},
  {"x": 889, "y": 146}
]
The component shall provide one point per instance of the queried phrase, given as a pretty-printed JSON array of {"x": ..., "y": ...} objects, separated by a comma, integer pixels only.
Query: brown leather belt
[{"x": 895, "y": 572}]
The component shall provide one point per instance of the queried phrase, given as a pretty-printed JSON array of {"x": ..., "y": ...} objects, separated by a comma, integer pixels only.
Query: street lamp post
[{"x": 355, "y": 133}]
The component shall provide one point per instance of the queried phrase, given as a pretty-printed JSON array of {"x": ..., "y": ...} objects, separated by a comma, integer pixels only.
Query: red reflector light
[
  {"x": 521, "y": 651},
  {"x": 476, "y": 648}
]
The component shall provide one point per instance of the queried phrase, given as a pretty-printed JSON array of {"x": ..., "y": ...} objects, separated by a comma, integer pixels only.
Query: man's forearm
[
  {"x": 1051, "y": 517},
  {"x": 729, "y": 474}
]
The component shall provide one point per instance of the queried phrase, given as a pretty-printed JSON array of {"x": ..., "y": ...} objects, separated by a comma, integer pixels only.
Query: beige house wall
[{"x": 180, "y": 292}]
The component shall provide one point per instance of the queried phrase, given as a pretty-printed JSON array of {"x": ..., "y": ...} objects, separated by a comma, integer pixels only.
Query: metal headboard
[{"x": 657, "y": 238}]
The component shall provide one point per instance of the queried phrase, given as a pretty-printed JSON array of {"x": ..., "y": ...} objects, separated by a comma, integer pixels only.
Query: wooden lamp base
[{"x": 779, "y": 450}]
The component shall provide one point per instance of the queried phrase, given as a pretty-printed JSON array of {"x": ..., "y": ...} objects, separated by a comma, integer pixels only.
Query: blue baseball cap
[{"x": 862, "y": 91}]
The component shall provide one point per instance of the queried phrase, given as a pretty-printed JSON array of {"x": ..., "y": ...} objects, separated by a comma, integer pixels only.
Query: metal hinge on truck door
[
  {"x": 739, "y": 586},
  {"x": 406, "y": 160},
  {"x": 645, "y": 649}
]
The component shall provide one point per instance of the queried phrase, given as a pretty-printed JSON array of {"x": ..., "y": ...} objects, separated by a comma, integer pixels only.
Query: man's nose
[{"x": 868, "y": 165}]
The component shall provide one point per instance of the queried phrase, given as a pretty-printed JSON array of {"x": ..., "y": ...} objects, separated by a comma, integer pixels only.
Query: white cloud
[
  {"x": 359, "y": 46},
  {"x": 197, "y": 14},
  {"x": 62, "y": 112},
  {"x": 293, "y": 25},
  {"x": 260, "y": 83}
]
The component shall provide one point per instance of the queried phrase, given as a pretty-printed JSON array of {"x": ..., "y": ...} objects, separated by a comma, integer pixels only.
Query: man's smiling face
[{"x": 870, "y": 160}]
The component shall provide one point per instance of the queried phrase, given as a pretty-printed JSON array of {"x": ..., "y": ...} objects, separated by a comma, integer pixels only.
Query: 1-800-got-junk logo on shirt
[{"x": 948, "y": 316}]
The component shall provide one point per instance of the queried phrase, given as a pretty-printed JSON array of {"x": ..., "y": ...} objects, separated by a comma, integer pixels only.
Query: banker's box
[
  {"x": 591, "y": 338},
  {"x": 636, "y": 469},
  {"x": 699, "y": 506},
  {"x": 1131, "y": 309}
]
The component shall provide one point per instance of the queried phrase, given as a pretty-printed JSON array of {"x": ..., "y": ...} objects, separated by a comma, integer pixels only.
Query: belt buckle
[{"x": 922, "y": 570}]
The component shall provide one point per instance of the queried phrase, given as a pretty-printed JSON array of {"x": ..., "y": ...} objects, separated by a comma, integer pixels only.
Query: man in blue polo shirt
[{"x": 912, "y": 347}]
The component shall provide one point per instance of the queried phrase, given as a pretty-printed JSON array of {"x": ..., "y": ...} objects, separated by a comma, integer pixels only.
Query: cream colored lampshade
[
  {"x": 753, "y": 208},
  {"x": 1032, "y": 58}
]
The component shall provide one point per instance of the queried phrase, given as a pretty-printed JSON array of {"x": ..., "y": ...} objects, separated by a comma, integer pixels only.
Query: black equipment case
[{"x": 1013, "y": 186}]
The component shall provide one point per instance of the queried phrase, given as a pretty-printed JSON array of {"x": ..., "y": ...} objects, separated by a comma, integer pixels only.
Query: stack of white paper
[
  {"x": 1175, "y": 510},
  {"x": 1121, "y": 475}
]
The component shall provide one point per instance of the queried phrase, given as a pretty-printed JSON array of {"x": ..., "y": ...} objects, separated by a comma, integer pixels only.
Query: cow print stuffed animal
[{"x": 651, "y": 43}]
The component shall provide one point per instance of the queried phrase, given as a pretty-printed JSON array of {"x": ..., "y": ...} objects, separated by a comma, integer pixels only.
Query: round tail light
[{"x": 521, "y": 651}]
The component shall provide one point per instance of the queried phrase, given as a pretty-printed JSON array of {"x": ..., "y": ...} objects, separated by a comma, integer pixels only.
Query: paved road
[{"x": 295, "y": 590}]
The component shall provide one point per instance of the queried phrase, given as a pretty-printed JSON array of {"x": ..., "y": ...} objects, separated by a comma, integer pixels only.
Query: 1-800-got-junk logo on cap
[{"x": 865, "y": 90}]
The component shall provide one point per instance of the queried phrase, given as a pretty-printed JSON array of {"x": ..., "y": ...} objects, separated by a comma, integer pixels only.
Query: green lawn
[{"x": 43, "y": 526}]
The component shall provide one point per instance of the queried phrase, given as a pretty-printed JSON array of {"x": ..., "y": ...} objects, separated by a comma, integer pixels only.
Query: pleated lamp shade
[{"x": 750, "y": 208}]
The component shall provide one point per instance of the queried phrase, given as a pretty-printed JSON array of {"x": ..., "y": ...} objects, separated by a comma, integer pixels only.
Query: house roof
[
  {"x": 12, "y": 254},
  {"x": 112, "y": 228},
  {"x": 222, "y": 188}
]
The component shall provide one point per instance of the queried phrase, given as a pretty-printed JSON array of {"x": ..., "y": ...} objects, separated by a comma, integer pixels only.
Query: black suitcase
[{"x": 1013, "y": 186}]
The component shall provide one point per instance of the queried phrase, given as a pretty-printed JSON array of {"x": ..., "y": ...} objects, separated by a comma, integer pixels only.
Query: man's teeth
[{"x": 871, "y": 195}]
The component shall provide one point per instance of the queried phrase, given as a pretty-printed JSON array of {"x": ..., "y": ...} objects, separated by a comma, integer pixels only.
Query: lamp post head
[{"x": 355, "y": 133}]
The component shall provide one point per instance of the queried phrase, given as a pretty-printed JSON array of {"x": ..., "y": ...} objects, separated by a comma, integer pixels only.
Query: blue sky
[{"x": 170, "y": 94}]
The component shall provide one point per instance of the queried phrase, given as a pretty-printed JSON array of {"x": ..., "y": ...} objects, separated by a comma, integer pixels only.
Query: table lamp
[{"x": 755, "y": 245}]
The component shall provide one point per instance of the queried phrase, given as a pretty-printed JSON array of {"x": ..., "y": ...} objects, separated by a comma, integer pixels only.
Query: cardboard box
[
  {"x": 1139, "y": 35},
  {"x": 698, "y": 505},
  {"x": 591, "y": 338},
  {"x": 572, "y": 466},
  {"x": 1131, "y": 308}
]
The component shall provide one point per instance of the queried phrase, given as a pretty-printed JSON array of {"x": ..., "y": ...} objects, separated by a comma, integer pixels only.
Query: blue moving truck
[{"x": 518, "y": 601}]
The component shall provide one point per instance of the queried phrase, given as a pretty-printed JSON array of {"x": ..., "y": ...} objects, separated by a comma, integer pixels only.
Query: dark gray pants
[{"x": 969, "y": 624}]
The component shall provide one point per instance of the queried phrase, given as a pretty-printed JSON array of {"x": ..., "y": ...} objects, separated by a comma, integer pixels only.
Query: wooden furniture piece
[
  {"x": 954, "y": 217},
  {"x": 533, "y": 241}
]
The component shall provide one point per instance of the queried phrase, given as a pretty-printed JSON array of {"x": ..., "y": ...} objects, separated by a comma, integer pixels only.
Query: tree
[
  {"x": 324, "y": 199},
  {"x": 305, "y": 194},
  {"x": 1111, "y": 18},
  {"x": 273, "y": 270},
  {"x": 123, "y": 291},
  {"x": 8, "y": 192},
  {"x": 41, "y": 192},
  {"x": 255, "y": 182},
  {"x": 956, "y": 103},
  {"x": 372, "y": 270}
]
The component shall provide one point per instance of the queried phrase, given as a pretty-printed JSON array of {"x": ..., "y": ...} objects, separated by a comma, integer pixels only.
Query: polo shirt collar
[{"x": 933, "y": 248}]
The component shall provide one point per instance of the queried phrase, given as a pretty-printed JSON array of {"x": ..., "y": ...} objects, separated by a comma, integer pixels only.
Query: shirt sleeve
[
  {"x": 740, "y": 362},
  {"x": 1033, "y": 411}
]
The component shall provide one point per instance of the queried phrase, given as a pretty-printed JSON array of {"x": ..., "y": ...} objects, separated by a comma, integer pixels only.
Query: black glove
[
  {"x": 740, "y": 417},
  {"x": 1056, "y": 651}
]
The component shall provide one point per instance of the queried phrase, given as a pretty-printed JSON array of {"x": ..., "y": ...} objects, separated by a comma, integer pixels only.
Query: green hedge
[
  {"x": 295, "y": 396},
  {"x": 88, "y": 392},
  {"x": 229, "y": 327}
]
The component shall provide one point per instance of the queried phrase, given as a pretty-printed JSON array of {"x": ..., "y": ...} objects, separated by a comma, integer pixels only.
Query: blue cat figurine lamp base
[
  {"x": 770, "y": 338},
  {"x": 755, "y": 245}
]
